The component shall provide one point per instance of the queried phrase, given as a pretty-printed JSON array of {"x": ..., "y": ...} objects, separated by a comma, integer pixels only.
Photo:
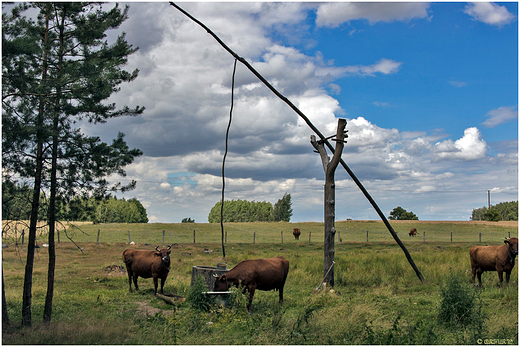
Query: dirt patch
[{"x": 144, "y": 309}]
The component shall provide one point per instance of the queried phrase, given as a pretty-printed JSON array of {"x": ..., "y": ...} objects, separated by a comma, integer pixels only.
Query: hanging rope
[{"x": 224, "y": 159}]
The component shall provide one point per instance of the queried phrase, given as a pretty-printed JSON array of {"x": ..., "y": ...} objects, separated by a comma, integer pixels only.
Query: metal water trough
[{"x": 209, "y": 273}]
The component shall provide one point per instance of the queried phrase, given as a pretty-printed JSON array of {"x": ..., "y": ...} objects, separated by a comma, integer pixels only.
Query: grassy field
[{"x": 378, "y": 299}]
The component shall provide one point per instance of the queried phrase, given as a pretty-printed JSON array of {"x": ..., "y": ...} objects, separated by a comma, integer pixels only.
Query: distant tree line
[
  {"x": 16, "y": 206},
  {"x": 253, "y": 211},
  {"x": 507, "y": 211}
]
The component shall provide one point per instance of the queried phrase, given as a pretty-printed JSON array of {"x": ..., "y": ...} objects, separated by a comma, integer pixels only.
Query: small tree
[
  {"x": 282, "y": 209},
  {"x": 400, "y": 213}
]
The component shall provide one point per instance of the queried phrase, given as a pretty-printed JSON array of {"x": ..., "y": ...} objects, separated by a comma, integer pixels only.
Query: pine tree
[{"x": 57, "y": 70}]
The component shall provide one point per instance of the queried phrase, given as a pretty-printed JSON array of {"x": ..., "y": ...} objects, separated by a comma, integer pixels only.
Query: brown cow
[
  {"x": 146, "y": 264},
  {"x": 296, "y": 232},
  {"x": 493, "y": 258},
  {"x": 412, "y": 232},
  {"x": 261, "y": 274}
]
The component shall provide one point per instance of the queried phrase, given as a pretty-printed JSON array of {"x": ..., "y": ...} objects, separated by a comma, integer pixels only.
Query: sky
[{"x": 429, "y": 92}]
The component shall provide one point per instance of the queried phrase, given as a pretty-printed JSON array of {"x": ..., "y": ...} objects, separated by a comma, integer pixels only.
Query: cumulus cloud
[
  {"x": 185, "y": 84},
  {"x": 489, "y": 13},
  {"x": 468, "y": 147},
  {"x": 501, "y": 115},
  {"x": 334, "y": 14}
]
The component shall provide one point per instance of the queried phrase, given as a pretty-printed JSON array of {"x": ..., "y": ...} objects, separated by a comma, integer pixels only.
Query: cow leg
[
  {"x": 479, "y": 276},
  {"x": 251, "y": 295},
  {"x": 508, "y": 276},
  {"x": 130, "y": 280},
  {"x": 135, "y": 282},
  {"x": 280, "y": 294},
  {"x": 473, "y": 273},
  {"x": 500, "y": 278},
  {"x": 155, "y": 284},
  {"x": 163, "y": 279}
]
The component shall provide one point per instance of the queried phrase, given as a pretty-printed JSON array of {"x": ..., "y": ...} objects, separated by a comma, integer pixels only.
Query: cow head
[
  {"x": 513, "y": 245},
  {"x": 221, "y": 284},
  {"x": 164, "y": 254}
]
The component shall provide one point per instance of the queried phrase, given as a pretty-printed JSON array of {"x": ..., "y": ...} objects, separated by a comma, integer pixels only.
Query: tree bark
[{"x": 329, "y": 167}]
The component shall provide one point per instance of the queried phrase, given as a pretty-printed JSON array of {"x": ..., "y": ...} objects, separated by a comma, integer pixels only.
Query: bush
[
  {"x": 197, "y": 299},
  {"x": 460, "y": 304}
]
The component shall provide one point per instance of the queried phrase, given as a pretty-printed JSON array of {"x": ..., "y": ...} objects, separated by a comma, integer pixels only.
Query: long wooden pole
[{"x": 316, "y": 131}]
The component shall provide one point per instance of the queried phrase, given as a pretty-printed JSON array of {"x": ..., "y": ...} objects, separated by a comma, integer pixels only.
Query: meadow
[{"x": 377, "y": 298}]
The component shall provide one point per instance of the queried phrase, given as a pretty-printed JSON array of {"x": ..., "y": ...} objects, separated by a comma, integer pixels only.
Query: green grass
[{"x": 378, "y": 299}]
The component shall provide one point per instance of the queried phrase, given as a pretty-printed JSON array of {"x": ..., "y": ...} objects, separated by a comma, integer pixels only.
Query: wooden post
[
  {"x": 98, "y": 231},
  {"x": 367, "y": 235},
  {"x": 329, "y": 166},
  {"x": 254, "y": 237},
  {"x": 424, "y": 236},
  {"x": 451, "y": 237},
  {"x": 163, "y": 236},
  {"x": 479, "y": 237},
  {"x": 193, "y": 236},
  {"x": 129, "y": 240},
  {"x": 225, "y": 239},
  {"x": 310, "y": 236},
  {"x": 58, "y": 236},
  {"x": 281, "y": 232}
]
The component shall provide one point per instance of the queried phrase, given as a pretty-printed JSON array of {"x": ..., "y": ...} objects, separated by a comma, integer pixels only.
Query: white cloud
[
  {"x": 489, "y": 13},
  {"x": 185, "y": 84},
  {"x": 334, "y": 14},
  {"x": 469, "y": 147},
  {"x": 383, "y": 66},
  {"x": 458, "y": 84},
  {"x": 501, "y": 115}
]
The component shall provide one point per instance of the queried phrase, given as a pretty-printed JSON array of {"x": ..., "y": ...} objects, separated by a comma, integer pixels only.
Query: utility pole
[
  {"x": 489, "y": 199},
  {"x": 329, "y": 200}
]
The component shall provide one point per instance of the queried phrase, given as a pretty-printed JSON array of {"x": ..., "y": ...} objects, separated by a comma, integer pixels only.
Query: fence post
[
  {"x": 97, "y": 241},
  {"x": 225, "y": 238},
  {"x": 367, "y": 235},
  {"x": 254, "y": 237},
  {"x": 310, "y": 237},
  {"x": 193, "y": 236},
  {"x": 281, "y": 232},
  {"x": 424, "y": 236},
  {"x": 479, "y": 237},
  {"x": 451, "y": 237},
  {"x": 163, "y": 236},
  {"x": 58, "y": 236},
  {"x": 129, "y": 240}
]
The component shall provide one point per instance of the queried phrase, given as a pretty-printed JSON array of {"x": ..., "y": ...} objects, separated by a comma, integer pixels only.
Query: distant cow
[
  {"x": 261, "y": 274},
  {"x": 146, "y": 264},
  {"x": 412, "y": 232},
  {"x": 296, "y": 232},
  {"x": 493, "y": 258}
]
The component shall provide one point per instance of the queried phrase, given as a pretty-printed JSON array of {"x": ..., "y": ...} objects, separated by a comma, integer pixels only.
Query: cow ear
[{"x": 506, "y": 241}]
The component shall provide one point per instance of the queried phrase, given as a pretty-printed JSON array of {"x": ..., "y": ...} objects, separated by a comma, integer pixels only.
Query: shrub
[
  {"x": 460, "y": 304},
  {"x": 197, "y": 299}
]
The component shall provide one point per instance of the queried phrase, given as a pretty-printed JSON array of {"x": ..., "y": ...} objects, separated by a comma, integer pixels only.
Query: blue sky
[{"x": 429, "y": 91}]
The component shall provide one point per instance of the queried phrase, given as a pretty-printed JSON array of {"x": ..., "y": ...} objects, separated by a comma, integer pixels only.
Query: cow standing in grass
[
  {"x": 412, "y": 232},
  {"x": 296, "y": 232},
  {"x": 261, "y": 274},
  {"x": 146, "y": 264},
  {"x": 494, "y": 258}
]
